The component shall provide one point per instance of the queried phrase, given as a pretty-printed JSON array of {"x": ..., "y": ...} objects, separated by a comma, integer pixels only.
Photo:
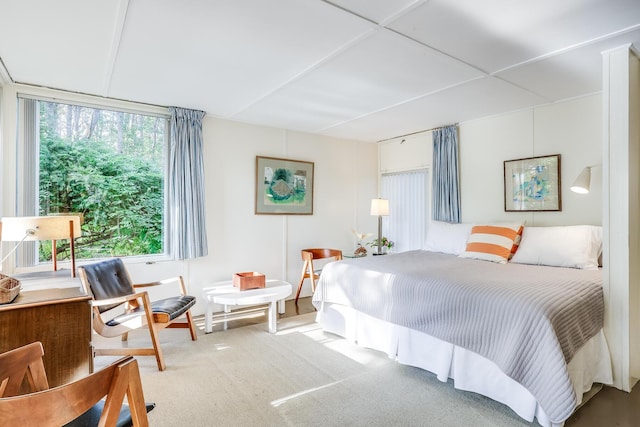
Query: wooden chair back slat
[{"x": 65, "y": 403}]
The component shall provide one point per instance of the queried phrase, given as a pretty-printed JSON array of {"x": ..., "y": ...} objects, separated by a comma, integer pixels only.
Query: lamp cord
[{"x": 27, "y": 233}]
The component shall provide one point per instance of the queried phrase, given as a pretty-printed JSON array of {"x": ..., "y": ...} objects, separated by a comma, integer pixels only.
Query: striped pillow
[
  {"x": 516, "y": 242},
  {"x": 493, "y": 242}
]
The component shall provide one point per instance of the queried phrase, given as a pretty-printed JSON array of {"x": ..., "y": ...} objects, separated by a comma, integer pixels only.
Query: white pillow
[
  {"x": 447, "y": 237},
  {"x": 574, "y": 246}
]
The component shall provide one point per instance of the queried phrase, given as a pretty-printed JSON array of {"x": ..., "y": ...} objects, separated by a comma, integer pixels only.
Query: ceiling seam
[
  {"x": 447, "y": 55},
  {"x": 384, "y": 26},
  {"x": 5, "y": 76},
  {"x": 115, "y": 45},
  {"x": 397, "y": 104},
  {"x": 569, "y": 48},
  {"x": 385, "y": 21},
  {"x": 346, "y": 46},
  {"x": 510, "y": 83}
]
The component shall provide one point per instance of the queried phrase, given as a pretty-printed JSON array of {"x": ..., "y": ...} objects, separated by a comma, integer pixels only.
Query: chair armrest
[
  {"x": 118, "y": 300},
  {"x": 179, "y": 279}
]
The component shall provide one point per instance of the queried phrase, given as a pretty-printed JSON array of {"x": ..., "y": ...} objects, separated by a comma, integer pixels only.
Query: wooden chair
[
  {"x": 110, "y": 285},
  {"x": 79, "y": 403},
  {"x": 308, "y": 271}
]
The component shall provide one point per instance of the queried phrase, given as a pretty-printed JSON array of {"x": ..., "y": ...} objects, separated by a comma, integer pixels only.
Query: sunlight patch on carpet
[{"x": 278, "y": 402}]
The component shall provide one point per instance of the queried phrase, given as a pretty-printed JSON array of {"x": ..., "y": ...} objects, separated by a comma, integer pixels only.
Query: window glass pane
[
  {"x": 109, "y": 167},
  {"x": 406, "y": 224}
]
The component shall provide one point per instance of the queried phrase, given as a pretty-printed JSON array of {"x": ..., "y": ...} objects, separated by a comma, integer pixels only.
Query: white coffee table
[{"x": 228, "y": 295}]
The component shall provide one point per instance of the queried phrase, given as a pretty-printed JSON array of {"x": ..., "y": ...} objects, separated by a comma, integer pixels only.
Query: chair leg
[
  {"x": 299, "y": 289},
  {"x": 155, "y": 340},
  {"x": 192, "y": 328},
  {"x": 153, "y": 331},
  {"x": 303, "y": 275}
]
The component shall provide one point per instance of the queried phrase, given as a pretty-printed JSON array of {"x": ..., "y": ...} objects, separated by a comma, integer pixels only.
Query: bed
[{"x": 527, "y": 335}]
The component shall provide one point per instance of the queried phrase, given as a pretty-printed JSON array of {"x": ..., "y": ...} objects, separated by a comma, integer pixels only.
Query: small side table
[{"x": 274, "y": 292}]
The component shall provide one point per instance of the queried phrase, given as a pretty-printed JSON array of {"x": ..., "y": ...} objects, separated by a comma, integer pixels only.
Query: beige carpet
[{"x": 300, "y": 376}]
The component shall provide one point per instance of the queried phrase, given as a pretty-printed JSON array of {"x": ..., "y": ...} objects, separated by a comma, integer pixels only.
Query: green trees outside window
[{"x": 108, "y": 166}]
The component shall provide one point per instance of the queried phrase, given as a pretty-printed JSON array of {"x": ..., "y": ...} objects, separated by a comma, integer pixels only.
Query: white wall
[
  {"x": 572, "y": 129},
  {"x": 345, "y": 180},
  {"x": 407, "y": 153}
]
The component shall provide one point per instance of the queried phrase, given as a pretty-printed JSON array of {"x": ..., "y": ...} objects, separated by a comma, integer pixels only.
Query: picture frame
[
  {"x": 532, "y": 184},
  {"x": 283, "y": 186}
]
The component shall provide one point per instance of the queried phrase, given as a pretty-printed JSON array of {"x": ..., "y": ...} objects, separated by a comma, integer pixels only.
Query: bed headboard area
[{"x": 572, "y": 246}]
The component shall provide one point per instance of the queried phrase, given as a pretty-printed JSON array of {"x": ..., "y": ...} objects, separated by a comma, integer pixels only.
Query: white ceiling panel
[
  {"x": 385, "y": 69},
  {"x": 494, "y": 34},
  {"x": 576, "y": 72},
  {"x": 449, "y": 106},
  {"x": 357, "y": 69},
  {"x": 66, "y": 47},
  {"x": 223, "y": 55}
]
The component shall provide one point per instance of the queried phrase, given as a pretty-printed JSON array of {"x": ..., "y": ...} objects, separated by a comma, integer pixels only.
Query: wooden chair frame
[
  {"x": 63, "y": 404},
  {"x": 308, "y": 270},
  {"x": 145, "y": 318}
]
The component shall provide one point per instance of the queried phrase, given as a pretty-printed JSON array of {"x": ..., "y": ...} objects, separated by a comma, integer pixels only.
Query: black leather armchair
[{"x": 110, "y": 285}]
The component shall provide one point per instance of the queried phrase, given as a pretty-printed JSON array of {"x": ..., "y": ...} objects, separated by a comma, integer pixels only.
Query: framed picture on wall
[
  {"x": 283, "y": 186},
  {"x": 532, "y": 184}
]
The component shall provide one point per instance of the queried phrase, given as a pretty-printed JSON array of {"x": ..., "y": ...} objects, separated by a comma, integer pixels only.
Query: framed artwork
[
  {"x": 532, "y": 184},
  {"x": 283, "y": 186}
]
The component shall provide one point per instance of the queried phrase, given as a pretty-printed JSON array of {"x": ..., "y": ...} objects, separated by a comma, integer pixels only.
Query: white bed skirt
[{"x": 469, "y": 371}]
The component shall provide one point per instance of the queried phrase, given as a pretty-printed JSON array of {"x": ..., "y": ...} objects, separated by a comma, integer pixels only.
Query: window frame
[{"x": 22, "y": 168}]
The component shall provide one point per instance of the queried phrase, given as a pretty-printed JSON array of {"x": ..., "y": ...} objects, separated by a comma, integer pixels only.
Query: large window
[
  {"x": 108, "y": 166},
  {"x": 408, "y": 198}
]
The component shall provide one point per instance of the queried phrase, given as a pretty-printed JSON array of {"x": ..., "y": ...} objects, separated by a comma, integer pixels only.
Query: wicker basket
[{"x": 9, "y": 289}]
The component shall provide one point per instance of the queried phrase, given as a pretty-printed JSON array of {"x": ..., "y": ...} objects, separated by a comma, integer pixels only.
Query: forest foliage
[{"x": 109, "y": 167}]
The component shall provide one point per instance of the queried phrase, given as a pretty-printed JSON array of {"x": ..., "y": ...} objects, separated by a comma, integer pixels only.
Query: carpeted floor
[{"x": 300, "y": 376}]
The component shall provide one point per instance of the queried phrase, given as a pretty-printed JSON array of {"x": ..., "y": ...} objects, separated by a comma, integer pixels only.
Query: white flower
[{"x": 360, "y": 236}]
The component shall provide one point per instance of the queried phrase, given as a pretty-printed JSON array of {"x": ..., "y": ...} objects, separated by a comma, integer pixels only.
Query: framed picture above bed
[
  {"x": 532, "y": 184},
  {"x": 283, "y": 186}
]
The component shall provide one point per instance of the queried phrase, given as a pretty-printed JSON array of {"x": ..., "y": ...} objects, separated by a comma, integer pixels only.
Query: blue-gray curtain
[
  {"x": 187, "y": 236},
  {"x": 446, "y": 192}
]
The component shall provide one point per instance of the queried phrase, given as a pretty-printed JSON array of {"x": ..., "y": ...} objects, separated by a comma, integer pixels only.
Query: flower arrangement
[{"x": 385, "y": 243}]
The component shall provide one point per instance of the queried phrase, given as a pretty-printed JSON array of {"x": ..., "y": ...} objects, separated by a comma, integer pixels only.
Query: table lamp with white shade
[
  {"x": 379, "y": 208},
  {"x": 32, "y": 228}
]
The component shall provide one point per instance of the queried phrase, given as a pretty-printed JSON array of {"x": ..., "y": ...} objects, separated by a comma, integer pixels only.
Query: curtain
[
  {"x": 406, "y": 224},
  {"x": 27, "y": 203},
  {"x": 446, "y": 193},
  {"x": 187, "y": 237}
]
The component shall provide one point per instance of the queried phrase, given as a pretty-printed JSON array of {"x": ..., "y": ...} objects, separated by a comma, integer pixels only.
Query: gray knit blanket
[{"x": 529, "y": 320}]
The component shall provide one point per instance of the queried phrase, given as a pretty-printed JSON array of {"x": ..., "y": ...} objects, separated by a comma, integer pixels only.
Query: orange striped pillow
[
  {"x": 493, "y": 242},
  {"x": 516, "y": 242}
]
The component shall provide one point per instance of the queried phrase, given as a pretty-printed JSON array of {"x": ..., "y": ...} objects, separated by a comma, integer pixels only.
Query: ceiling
[{"x": 356, "y": 69}]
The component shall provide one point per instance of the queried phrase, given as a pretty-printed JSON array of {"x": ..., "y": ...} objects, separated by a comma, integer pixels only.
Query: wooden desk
[{"x": 61, "y": 320}]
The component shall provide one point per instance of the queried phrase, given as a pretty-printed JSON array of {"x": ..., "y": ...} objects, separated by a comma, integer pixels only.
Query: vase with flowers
[{"x": 385, "y": 245}]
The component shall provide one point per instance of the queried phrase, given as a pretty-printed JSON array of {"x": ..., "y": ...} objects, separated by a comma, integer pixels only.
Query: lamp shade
[
  {"x": 14, "y": 229},
  {"x": 379, "y": 207},
  {"x": 582, "y": 184}
]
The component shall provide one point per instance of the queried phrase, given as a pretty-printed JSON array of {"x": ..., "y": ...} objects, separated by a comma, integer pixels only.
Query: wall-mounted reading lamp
[
  {"x": 582, "y": 184},
  {"x": 30, "y": 228}
]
